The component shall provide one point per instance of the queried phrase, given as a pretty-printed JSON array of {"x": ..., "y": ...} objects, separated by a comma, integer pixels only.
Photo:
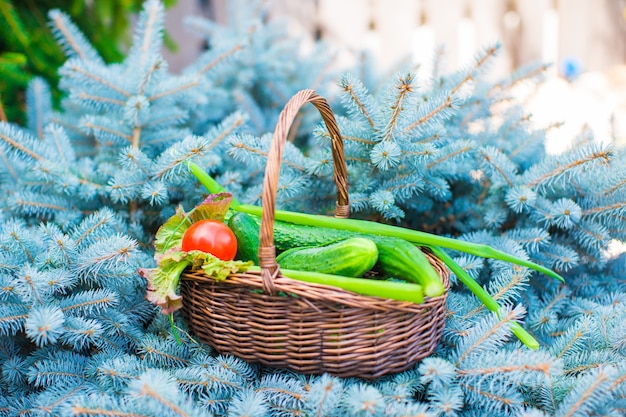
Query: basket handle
[{"x": 267, "y": 250}]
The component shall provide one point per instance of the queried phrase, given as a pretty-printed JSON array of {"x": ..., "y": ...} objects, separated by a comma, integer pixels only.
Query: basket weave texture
[{"x": 267, "y": 318}]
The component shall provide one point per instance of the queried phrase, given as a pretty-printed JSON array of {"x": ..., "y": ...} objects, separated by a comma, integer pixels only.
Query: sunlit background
[{"x": 584, "y": 40}]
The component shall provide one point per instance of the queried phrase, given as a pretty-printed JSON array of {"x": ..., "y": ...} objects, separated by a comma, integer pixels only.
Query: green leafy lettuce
[{"x": 172, "y": 261}]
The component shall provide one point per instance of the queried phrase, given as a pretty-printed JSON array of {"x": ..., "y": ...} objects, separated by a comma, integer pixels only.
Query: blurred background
[
  {"x": 576, "y": 35},
  {"x": 584, "y": 40}
]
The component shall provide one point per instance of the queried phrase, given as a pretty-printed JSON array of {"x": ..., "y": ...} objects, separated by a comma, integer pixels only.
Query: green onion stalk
[
  {"x": 400, "y": 291},
  {"x": 483, "y": 296}
]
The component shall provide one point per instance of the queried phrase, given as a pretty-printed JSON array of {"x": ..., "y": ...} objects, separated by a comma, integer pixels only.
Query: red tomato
[{"x": 212, "y": 237}]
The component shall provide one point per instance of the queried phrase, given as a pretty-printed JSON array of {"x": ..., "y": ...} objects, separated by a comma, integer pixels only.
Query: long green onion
[
  {"x": 209, "y": 183},
  {"x": 401, "y": 291},
  {"x": 414, "y": 236},
  {"x": 367, "y": 227}
]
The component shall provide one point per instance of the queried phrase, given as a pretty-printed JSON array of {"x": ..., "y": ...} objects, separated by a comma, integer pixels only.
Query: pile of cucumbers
[{"x": 338, "y": 252}]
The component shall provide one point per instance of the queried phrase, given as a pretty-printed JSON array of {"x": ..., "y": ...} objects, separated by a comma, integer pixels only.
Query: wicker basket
[{"x": 320, "y": 329}]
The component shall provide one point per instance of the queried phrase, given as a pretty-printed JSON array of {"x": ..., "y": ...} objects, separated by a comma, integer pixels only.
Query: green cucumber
[
  {"x": 396, "y": 257},
  {"x": 287, "y": 235},
  {"x": 246, "y": 230},
  {"x": 350, "y": 257}
]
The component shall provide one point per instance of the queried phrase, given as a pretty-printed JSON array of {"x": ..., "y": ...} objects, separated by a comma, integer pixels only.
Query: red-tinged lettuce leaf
[
  {"x": 163, "y": 281},
  {"x": 170, "y": 234},
  {"x": 172, "y": 261},
  {"x": 214, "y": 207}
]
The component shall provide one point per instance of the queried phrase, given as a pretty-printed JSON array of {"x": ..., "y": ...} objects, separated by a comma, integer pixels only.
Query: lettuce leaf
[
  {"x": 172, "y": 261},
  {"x": 170, "y": 234},
  {"x": 220, "y": 270},
  {"x": 163, "y": 283},
  {"x": 214, "y": 207},
  {"x": 163, "y": 280}
]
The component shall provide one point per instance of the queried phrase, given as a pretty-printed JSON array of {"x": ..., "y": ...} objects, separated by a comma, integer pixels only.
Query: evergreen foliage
[
  {"x": 28, "y": 48},
  {"x": 83, "y": 189}
]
